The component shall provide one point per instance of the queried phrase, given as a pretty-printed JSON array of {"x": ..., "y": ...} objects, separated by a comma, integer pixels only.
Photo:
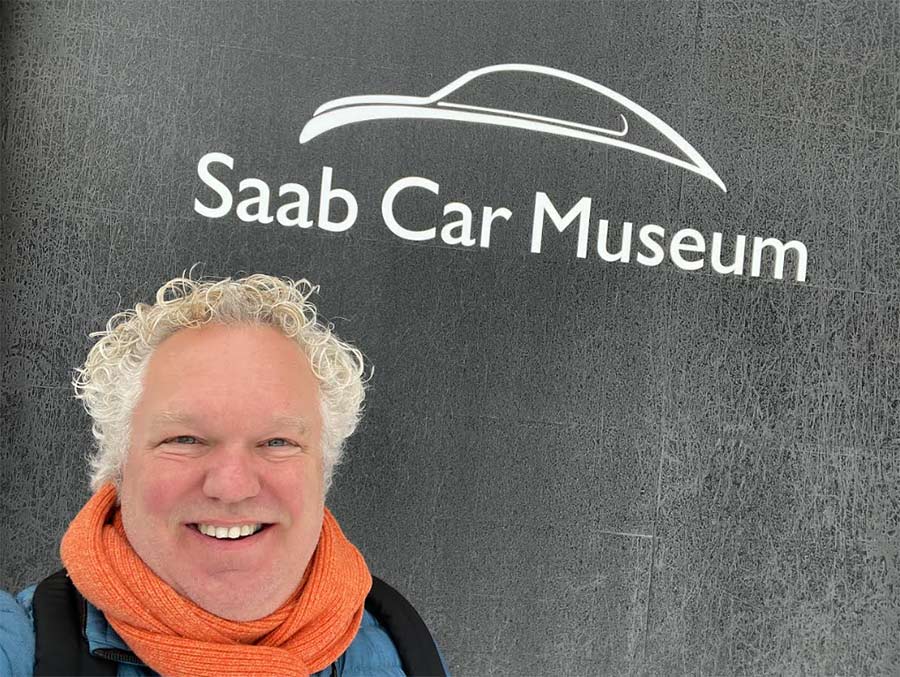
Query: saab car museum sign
[{"x": 477, "y": 225}]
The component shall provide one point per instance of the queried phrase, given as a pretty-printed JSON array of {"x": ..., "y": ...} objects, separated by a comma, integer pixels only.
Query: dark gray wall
[{"x": 570, "y": 466}]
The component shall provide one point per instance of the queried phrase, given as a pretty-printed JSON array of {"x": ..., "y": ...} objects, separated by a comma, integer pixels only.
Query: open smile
[{"x": 235, "y": 532}]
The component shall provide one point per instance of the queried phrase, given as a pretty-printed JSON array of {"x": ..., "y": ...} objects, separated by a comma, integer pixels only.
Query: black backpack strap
[
  {"x": 418, "y": 652},
  {"x": 61, "y": 647}
]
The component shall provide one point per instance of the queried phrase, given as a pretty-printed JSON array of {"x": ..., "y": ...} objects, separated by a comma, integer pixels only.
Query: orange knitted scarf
[{"x": 174, "y": 636}]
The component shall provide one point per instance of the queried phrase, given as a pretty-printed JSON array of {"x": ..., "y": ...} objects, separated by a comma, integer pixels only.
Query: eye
[
  {"x": 182, "y": 439},
  {"x": 278, "y": 442}
]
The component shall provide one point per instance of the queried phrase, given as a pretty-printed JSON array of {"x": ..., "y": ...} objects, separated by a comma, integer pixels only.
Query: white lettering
[
  {"x": 780, "y": 248},
  {"x": 463, "y": 225},
  {"x": 624, "y": 253},
  {"x": 582, "y": 211},
  {"x": 678, "y": 245},
  {"x": 738, "y": 266},
  {"x": 255, "y": 203},
  {"x": 218, "y": 187},
  {"x": 328, "y": 194},
  {"x": 300, "y": 205},
  {"x": 651, "y": 245},
  {"x": 488, "y": 214},
  {"x": 261, "y": 201},
  {"x": 387, "y": 207}
]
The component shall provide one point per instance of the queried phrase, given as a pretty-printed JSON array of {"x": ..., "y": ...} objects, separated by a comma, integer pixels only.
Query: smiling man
[{"x": 206, "y": 549}]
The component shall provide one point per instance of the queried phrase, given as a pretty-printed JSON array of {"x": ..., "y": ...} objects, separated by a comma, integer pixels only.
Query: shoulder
[
  {"x": 16, "y": 633},
  {"x": 371, "y": 653},
  {"x": 392, "y": 639},
  {"x": 406, "y": 629}
]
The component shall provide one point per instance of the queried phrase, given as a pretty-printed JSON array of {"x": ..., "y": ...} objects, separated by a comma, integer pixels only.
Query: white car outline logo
[{"x": 351, "y": 109}]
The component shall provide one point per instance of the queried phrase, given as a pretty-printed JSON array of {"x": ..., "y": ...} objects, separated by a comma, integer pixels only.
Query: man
[{"x": 220, "y": 413}]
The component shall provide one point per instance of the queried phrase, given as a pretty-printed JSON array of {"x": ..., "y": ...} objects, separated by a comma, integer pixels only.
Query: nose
[{"x": 231, "y": 475}]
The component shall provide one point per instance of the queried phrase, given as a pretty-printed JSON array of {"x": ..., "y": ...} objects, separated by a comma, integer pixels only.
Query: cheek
[
  {"x": 159, "y": 497},
  {"x": 154, "y": 491},
  {"x": 300, "y": 492}
]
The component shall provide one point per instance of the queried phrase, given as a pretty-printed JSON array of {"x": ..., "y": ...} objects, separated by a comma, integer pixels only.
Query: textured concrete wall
[{"x": 570, "y": 466}]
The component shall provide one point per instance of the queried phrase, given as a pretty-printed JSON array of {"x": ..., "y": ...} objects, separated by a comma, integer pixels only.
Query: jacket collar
[{"x": 102, "y": 639}]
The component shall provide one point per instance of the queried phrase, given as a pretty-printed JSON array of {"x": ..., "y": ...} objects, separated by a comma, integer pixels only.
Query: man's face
[{"x": 226, "y": 436}]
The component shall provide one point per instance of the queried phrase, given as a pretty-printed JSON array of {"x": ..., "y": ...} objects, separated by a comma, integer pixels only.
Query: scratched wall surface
[{"x": 570, "y": 466}]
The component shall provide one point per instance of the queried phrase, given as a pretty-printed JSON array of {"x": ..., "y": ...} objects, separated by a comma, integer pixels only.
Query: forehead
[{"x": 230, "y": 370}]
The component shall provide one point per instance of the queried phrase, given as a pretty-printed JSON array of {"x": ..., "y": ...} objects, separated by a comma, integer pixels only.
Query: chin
[
  {"x": 246, "y": 606},
  {"x": 232, "y": 612}
]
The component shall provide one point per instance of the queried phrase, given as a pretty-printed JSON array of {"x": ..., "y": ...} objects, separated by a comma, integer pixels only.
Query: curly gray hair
[{"x": 109, "y": 384}]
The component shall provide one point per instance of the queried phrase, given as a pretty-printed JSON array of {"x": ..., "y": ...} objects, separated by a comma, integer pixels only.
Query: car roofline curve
[
  {"x": 654, "y": 121},
  {"x": 366, "y": 113},
  {"x": 703, "y": 168}
]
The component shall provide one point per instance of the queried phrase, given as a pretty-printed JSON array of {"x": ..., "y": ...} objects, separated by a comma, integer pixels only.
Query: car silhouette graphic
[{"x": 439, "y": 106}]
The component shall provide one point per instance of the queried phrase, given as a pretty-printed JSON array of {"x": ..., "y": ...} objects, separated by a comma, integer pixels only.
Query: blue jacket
[{"x": 370, "y": 654}]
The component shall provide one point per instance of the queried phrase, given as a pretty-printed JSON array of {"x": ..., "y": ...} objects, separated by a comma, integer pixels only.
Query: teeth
[{"x": 229, "y": 532}]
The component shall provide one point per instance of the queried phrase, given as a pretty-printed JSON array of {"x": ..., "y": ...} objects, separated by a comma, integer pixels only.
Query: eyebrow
[
  {"x": 297, "y": 423},
  {"x": 164, "y": 417}
]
